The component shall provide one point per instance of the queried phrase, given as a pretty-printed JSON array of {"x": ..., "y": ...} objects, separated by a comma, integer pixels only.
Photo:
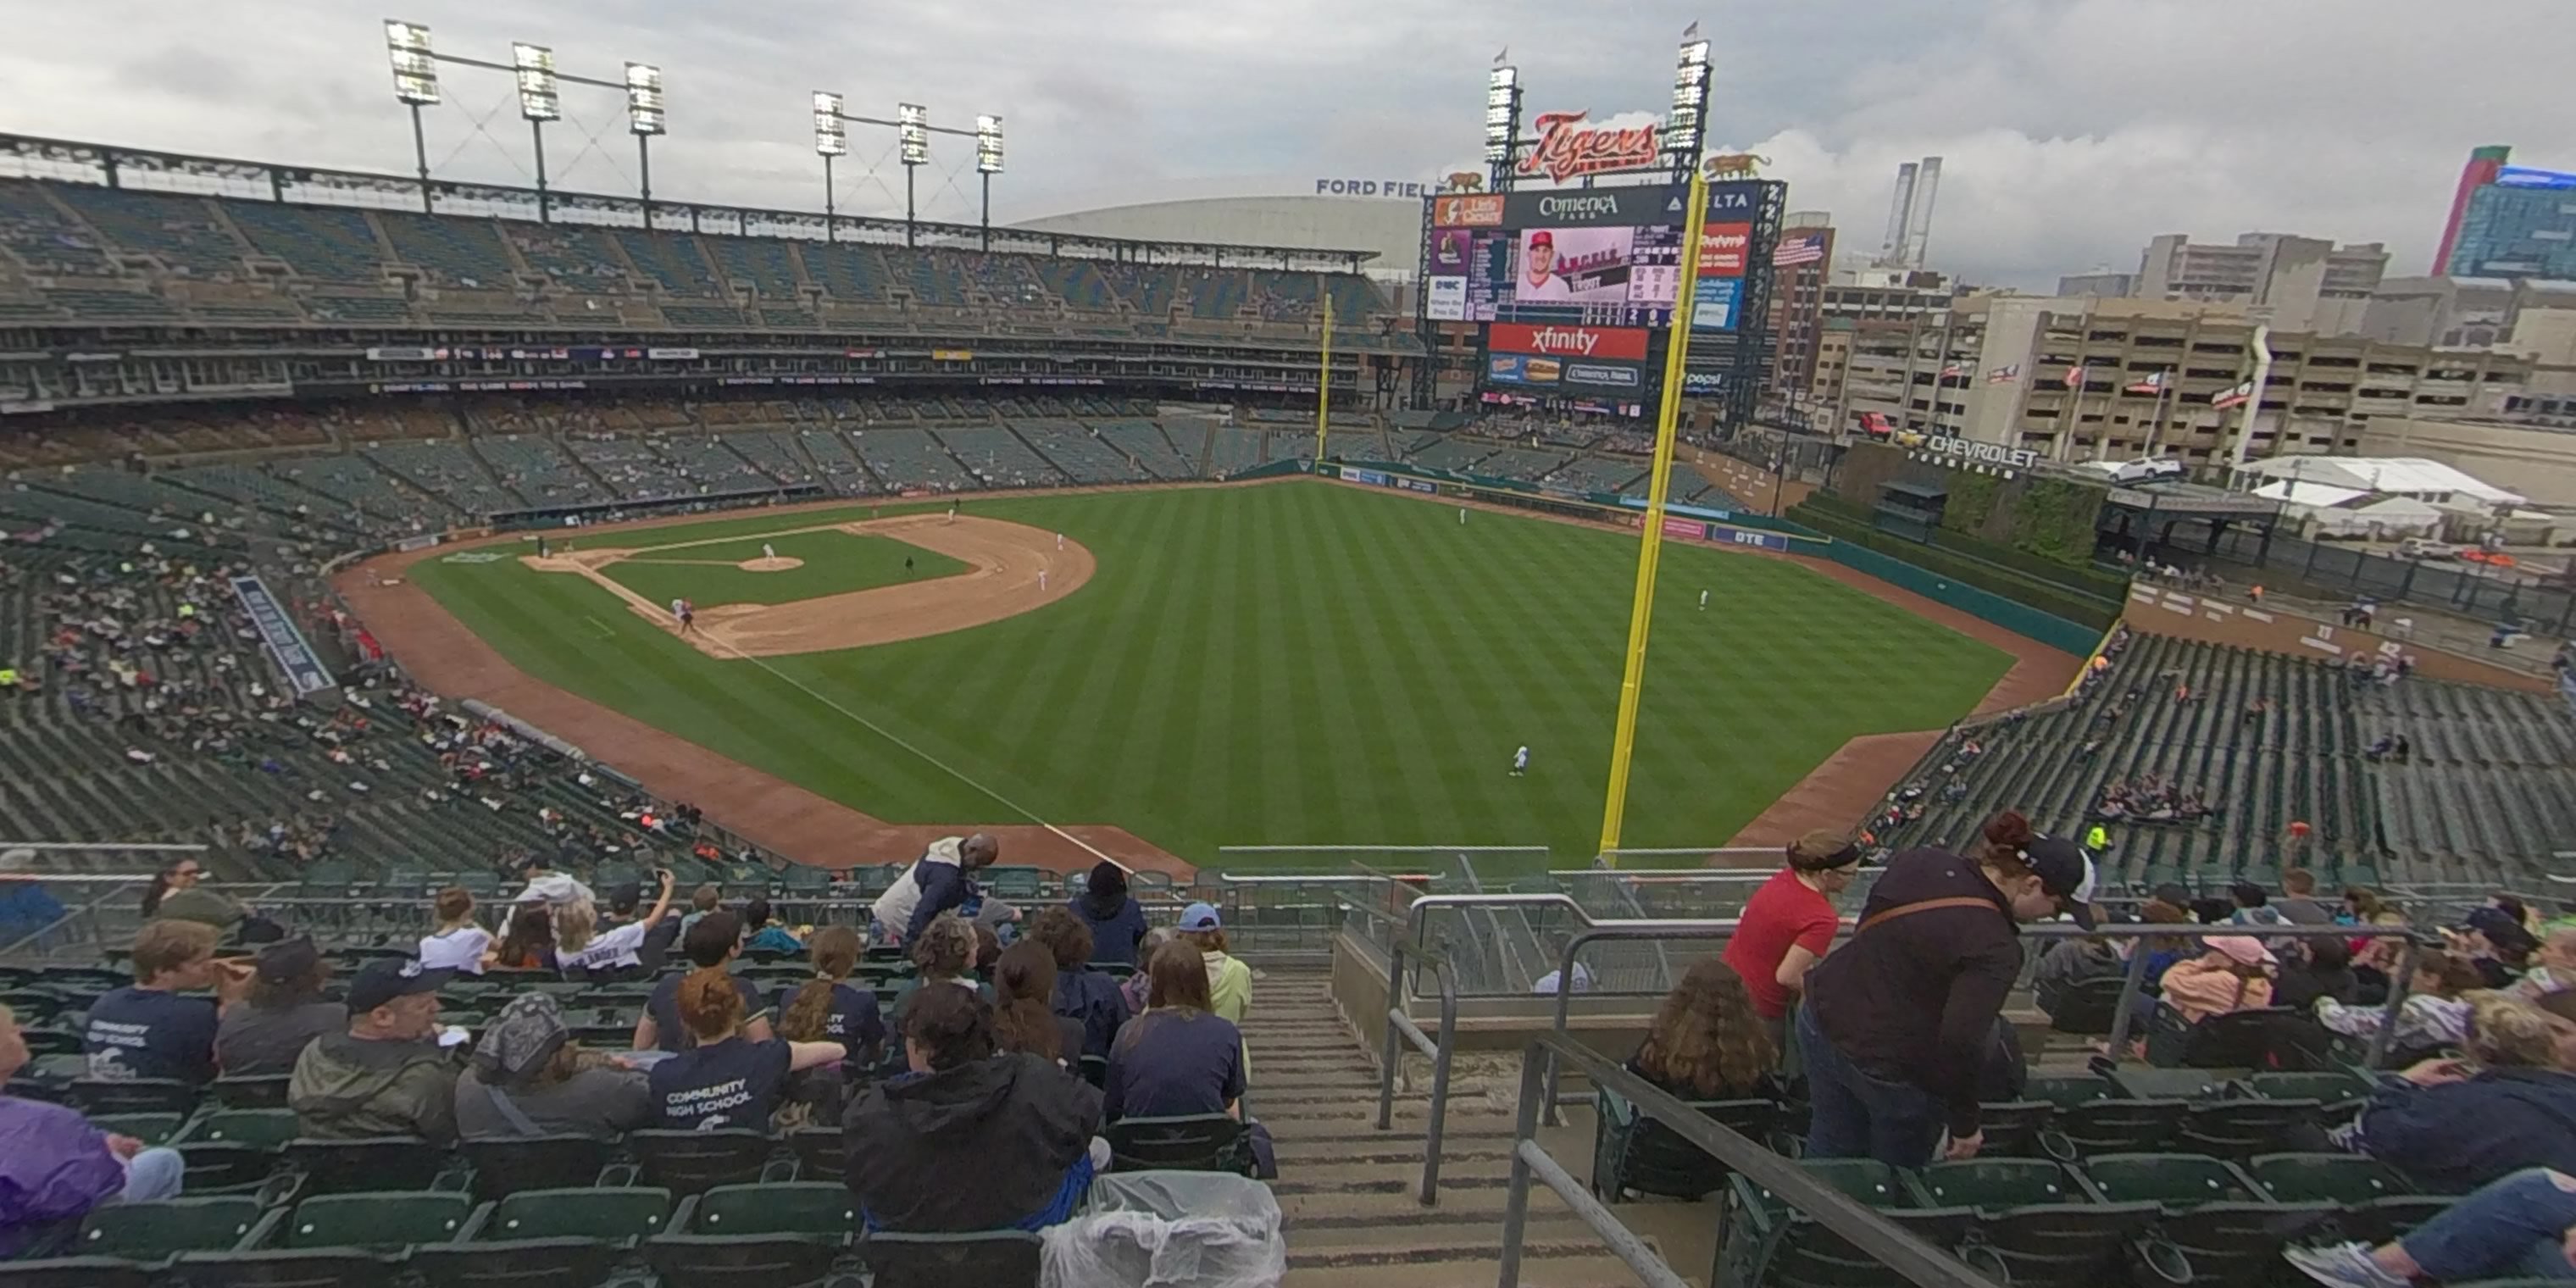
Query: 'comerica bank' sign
[
  {"x": 1399, "y": 188},
  {"x": 2012, "y": 458}
]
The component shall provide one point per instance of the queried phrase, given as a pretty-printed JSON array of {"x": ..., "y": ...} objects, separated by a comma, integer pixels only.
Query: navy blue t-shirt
[
  {"x": 669, "y": 1034},
  {"x": 854, "y": 1020},
  {"x": 1167, "y": 1063},
  {"x": 150, "y": 1033},
  {"x": 734, "y": 1083}
]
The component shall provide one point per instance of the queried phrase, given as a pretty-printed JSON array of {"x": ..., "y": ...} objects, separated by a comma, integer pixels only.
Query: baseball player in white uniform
[
  {"x": 768, "y": 551},
  {"x": 1520, "y": 762},
  {"x": 1703, "y": 601}
]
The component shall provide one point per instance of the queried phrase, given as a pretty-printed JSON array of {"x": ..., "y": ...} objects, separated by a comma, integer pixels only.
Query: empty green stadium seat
[
  {"x": 1634, "y": 1153},
  {"x": 781, "y": 1234}
]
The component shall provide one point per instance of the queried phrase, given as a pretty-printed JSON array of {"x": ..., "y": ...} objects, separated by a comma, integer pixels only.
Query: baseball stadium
[{"x": 513, "y": 702}]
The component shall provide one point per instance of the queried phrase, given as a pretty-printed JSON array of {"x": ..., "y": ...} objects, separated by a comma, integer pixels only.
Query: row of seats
[{"x": 89, "y": 233}]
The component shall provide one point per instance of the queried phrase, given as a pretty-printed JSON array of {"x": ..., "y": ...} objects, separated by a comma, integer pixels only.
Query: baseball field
[{"x": 1286, "y": 663}]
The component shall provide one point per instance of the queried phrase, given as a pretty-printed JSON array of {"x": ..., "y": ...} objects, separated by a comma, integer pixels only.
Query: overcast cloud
[{"x": 2072, "y": 130}]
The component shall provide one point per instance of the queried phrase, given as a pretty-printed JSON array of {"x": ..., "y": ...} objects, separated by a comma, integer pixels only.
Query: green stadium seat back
[
  {"x": 134, "y": 1096},
  {"x": 2178, "y": 1182},
  {"x": 373, "y": 1163},
  {"x": 1768, "y": 1243},
  {"x": 2065, "y": 1092},
  {"x": 251, "y": 1093},
  {"x": 268, "y": 1129},
  {"x": 691, "y": 1162},
  {"x": 2329, "y": 1088},
  {"x": 384, "y": 1219},
  {"x": 790, "y": 1207},
  {"x": 986, "y": 1259},
  {"x": 2013, "y": 1128},
  {"x": 611, "y": 1215},
  {"x": 2325, "y": 1178},
  {"x": 1994, "y": 1183},
  {"x": 786, "y": 1233},
  {"x": 820, "y": 1154},
  {"x": 2060, "y": 1245},
  {"x": 2119, "y": 1126},
  {"x": 2140, "y": 1082},
  {"x": 1186, "y": 1142},
  {"x": 151, "y": 1129},
  {"x": 151, "y": 1231},
  {"x": 77, "y": 1272},
  {"x": 1634, "y": 1153},
  {"x": 2243, "y": 1128},
  {"x": 507, "y": 1165}
]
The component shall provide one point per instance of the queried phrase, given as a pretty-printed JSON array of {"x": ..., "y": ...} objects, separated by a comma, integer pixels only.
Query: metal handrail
[
  {"x": 1889, "y": 1244},
  {"x": 1401, "y": 1025}
]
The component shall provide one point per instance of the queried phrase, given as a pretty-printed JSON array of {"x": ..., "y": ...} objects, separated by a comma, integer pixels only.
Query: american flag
[
  {"x": 1953, "y": 372},
  {"x": 1798, "y": 250},
  {"x": 2238, "y": 396},
  {"x": 2075, "y": 377},
  {"x": 2153, "y": 384},
  {"x": 2004, "y": 375}
]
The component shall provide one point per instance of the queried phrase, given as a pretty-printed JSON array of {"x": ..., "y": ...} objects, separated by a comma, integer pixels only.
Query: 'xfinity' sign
[{"x": 2015, "y": 458}]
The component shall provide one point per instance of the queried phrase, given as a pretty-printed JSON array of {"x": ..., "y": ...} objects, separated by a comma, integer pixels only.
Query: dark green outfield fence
[{"x": 2061, "y": 617}]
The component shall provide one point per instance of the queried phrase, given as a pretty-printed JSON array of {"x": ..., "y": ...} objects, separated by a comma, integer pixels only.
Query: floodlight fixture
[
  {"x": 913, "y": 126},
  {"x": 415, "y": 67},
  {"x": 1502, "y": 78},
  {"x": 829, "y": 138},
  {"x": 988, "y": 145},
  {"x": 1689, "y": 118},
  {"x": 538, "y": 100},
  {"x": 644, "y": 99}
]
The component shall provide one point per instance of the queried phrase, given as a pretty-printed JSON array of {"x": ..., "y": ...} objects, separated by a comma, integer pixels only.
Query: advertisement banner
[
  {"x": 1723, "y": 249},
  {"x": 1370, "y": 188},
  {"x": 1416, "y": 485},
  {"x": 1374, "y": 478},
  {"x": 277, "y": 630},
  {"x": 1446, "y": 300},
  {"x": 1633, "y": 207},
  {"x": 952, "y": 355},
  {"x": 1480, "y": 210},
  {"x": 1626, "y": 344},
  {"x": 401, "y": 353},
  {"x": 671, "y": 354},
  {"x": 1450, "y": 248},
  {"x": 1603, "y": 376},
  {"x": 1684, "y": 529},
  {"x": 1574, "y": 265},
  {"x": 1713, "y": 304}
]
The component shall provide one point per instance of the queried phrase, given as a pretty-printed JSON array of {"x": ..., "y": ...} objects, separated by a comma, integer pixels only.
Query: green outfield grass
[
  {"x": 835, "y": 563},
  {"x": 1297, "y": 663}
]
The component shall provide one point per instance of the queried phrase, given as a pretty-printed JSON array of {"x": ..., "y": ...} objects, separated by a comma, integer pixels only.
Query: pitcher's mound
[{"x": 771, "y": 563}]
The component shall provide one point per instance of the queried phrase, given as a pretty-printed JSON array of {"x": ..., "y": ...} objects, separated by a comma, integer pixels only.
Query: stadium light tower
[
  {"x": 415, "y": 85},
  {"x": 644, "y": 119},
  {"x": 1502, "y": 122},
  {"x": 539, "y": 102},
  {"x": 913, "y": 126},
  {"x": 988, "y": 162},
  {"x": 1687, "y": 127},
  {"x": 830, "y": 141}
]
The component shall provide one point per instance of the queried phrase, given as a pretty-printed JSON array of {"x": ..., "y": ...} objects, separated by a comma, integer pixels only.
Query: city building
[
  {"x": 2103, "y": 379},
  {"x": 2538, "y": 454},
  {"x": 2509, "y": 221},
  {"x": 2100, "y": 281},
  {"x": 1886, "y": 293},
  {"x": 2295, "y": 283},
  {"x": 1801, "y": 265}
]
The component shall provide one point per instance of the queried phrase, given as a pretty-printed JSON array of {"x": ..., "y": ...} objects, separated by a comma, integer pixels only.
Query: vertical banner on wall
[{"x": 286, "y": 644}]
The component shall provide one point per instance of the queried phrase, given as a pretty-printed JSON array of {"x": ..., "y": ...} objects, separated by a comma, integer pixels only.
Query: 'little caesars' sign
[{"x": 2011, "y": 458}]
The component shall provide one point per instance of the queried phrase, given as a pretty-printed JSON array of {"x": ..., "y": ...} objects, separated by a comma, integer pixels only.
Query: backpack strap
[{"x": 1886, "y": 915}]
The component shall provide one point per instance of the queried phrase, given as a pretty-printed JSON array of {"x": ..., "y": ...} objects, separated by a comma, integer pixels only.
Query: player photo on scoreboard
[{"x": 1573, "y": 266}]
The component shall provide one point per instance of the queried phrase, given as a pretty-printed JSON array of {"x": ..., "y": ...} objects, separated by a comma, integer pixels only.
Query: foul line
[{"x": 943, "y": 766}]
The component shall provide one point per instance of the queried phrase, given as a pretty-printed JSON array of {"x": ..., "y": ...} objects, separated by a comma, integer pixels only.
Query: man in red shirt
[{"x": 1789, "y": 923}]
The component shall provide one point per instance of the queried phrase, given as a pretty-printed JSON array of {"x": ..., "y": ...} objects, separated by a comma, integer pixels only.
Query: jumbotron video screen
[{"x": 1573, "y": 285}]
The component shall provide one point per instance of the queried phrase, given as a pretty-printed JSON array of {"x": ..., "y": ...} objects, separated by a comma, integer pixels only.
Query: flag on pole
[
  {"x": 1805, "y": 249},
  {"x": 2238, "y": 396},
  {"x": 1501, "y": 54},
  {"x": 2075, "y": 377},
  {"x": 2153, "y": 384},
  {"x": 2004, "y": 375},
  {"x": 1953, "y": 371},
  {"x": 1691, "y": 32}
]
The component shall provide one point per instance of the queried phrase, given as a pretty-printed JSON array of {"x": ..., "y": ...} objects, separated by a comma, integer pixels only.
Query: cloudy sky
[{"x": 2072, "y": 130}]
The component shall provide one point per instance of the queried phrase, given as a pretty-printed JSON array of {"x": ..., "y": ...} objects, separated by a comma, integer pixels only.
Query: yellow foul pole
[
  {"x": 1650, "y": 542},
  {"x": 1324, "y": 371}
]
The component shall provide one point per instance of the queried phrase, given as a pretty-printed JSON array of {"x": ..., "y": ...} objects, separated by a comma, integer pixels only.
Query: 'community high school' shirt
[
  {"x": 150, "y": 1033},
  {"x": 733, "y": 1083}
]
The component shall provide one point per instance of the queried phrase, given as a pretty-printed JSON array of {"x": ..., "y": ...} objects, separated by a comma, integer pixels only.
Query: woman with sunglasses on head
[{"x": 175, "y": 895}]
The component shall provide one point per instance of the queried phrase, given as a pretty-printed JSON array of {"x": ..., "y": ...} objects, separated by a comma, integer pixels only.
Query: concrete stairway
[{"x": 1348, "y": 1191}]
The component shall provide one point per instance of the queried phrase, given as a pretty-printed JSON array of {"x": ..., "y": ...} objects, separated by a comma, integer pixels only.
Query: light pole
[
  {"x": 539, "y": 102},
  {"x": 913, "y": 132},
  {"x": 644, "y": 118},
  {"x": 829, "y": 141},
  {"x": 415, "y": 86},
  {"x": 988, "y": 162}
]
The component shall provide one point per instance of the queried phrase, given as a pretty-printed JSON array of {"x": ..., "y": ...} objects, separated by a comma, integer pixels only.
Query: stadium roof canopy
[{"x": 67, "y": 161}]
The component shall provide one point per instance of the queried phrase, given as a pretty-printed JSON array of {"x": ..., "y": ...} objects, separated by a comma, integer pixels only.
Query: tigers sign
[{"x": 1568, "y": 148}]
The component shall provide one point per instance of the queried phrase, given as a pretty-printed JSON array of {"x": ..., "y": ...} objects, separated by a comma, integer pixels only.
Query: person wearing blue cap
[
  {"x": 1229, "y": 980},
  {"x": 387, "y": 1075}
]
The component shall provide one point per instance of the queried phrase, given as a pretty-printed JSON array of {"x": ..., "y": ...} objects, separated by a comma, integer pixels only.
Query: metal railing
[
  {"x": 1408, "y": 942},
  {"x": 1401, "y": 1025},
  {"x": 1902, "y": 1253}
]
